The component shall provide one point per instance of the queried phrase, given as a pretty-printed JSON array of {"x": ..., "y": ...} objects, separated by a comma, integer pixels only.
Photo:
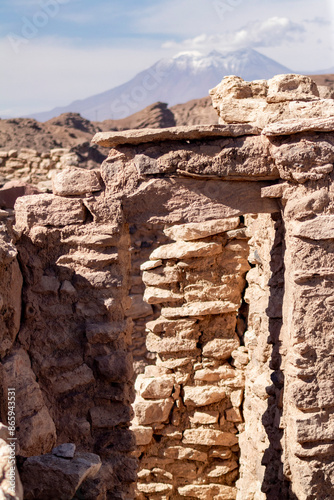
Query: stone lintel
[{"x": 142, "y": 136}]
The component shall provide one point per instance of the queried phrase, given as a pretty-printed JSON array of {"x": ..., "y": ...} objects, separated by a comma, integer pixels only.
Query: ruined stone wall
[
  {"x": 178, "y": 242},
  {"x": 187, "y": 408},
  {"x": 33, "y": 167}
]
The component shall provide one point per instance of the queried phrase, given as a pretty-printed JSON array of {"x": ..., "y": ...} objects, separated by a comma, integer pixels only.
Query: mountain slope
[{"x": 186, "y": 76}]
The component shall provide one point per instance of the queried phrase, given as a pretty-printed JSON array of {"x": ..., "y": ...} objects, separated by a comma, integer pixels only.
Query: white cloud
[{"x": 271, "y": 32}]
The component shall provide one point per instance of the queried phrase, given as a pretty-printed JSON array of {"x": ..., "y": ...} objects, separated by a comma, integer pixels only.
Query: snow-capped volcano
[{"x": 186, "y": 76}]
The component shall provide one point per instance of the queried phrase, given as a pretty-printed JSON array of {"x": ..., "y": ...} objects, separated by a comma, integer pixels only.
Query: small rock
[
  {"x": 196, "y": 231},
  {"x": 66, "y": 450}
]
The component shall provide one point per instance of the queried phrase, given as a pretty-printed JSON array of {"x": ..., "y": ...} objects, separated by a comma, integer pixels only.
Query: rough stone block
[
  {"x": 155, "y": 295},
  {"x": 116, "y": 367},
  {"x": 143, "y": 434},
  {"x": 186, "y": 250},
  {"x": 48, "y": 210},
  {"x": 200, "y": 309},
  {"x": 220, "y": 348},
  {"x": 150, "y": 412},
  {"x": 52, "y": 477},
  {"x": 209, "y": 437},
  {"x": 207, "y": 492},
  {"x": 107, "y": 417},
  {"x": 181, "y": 453},
  {"x": 203, "y": 395},
  {"x": 75, "y": 181},
  {"x": 169, "y": 345},
  {"x": 174, "y": 201}
]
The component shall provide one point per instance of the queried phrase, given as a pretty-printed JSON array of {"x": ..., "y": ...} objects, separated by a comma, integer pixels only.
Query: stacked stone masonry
[{"x": 206, "y": 255}]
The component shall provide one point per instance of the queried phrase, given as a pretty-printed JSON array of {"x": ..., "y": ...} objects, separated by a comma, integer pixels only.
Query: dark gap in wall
[{"x": 275, "y": 485}]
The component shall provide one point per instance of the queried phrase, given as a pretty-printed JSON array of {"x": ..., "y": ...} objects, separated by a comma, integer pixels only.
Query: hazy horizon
[{"x": 57, "y": 51}]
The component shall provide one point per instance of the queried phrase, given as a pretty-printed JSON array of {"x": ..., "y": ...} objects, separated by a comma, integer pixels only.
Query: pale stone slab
[
  {"x": 207, "y": 492},
  {"x": 320, "y": 228},
  {"x": 203, "y": 395},
  {"x": 295, "y": 126},
  {"x": 161, "y": 276},
  {"x": 205, "y": 417},
  {"x": 75, "y": 181},
  {"x": 189, "y": 232},
  {"x": 200, "y": 309},
  {"x": 153, "y": 295},
  {"x": 186, "y": 250},
  {"x": 66, "y": 450},
  {"x": 140, "y": 136},
  {"x": 150, "y": 264},
  {"x": 209, "y": 437}
]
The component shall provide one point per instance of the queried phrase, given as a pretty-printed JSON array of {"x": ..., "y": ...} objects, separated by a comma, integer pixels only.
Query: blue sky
[{"x": 55, "y": 51}]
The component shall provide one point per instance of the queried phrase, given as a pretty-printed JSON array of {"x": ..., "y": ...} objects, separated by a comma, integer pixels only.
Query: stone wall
[
  {"x": 187, "y": 408},
  {"x": 211, "y": 247},
  {"x": 34, "y": 167}
]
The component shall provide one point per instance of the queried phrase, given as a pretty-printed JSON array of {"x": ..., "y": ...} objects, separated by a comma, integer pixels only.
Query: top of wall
[{"x": 284, "y": 105}]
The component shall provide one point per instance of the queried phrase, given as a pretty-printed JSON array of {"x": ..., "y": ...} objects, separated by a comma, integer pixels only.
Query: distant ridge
[{"x": 187, "y": 76}]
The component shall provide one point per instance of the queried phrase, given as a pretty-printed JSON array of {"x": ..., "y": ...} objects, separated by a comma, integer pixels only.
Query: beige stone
[
  {"x": 143, "y": 434},
  {"x": 319, "y": 228},
  {"x": 112, "y": 139},
  {"x": 155, "y": 295},
  {"x": 205, "y": 417},
  {"x": 155, "y": 388},
  {"x": 189, "y": 232},
  {"x": 186, "y": 250},
  {"x": 203, "y": 395},
  {"x": 75, "y": 181},
  {"x": 162, "y": 276},
  {"x": 154, "y": 488},
  {"x": 200, "y": 309},
  {"x": 209, "y": 437},
  {"x": 205, "y": 292},
  {"x": 295, "y": 126},
  {"x": 139, "y": 308},
  {"x": 291, "y": 88},
  {"x": 150, "y": 264},
  {"x": 169, "y": 345},
  {"x": 236, "y": 398},
  {"x": 220, "y": 470},
  {"x": 37, "y": 431},
  {"x": 149, "y": 412},
  {"x": 48, "y": 474},
  {"x": 208, "y": 492},
  {"x": 214, "y": 375},
  {"x": 220, "y": 348},
  {"x": 71, "y": 380}
]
